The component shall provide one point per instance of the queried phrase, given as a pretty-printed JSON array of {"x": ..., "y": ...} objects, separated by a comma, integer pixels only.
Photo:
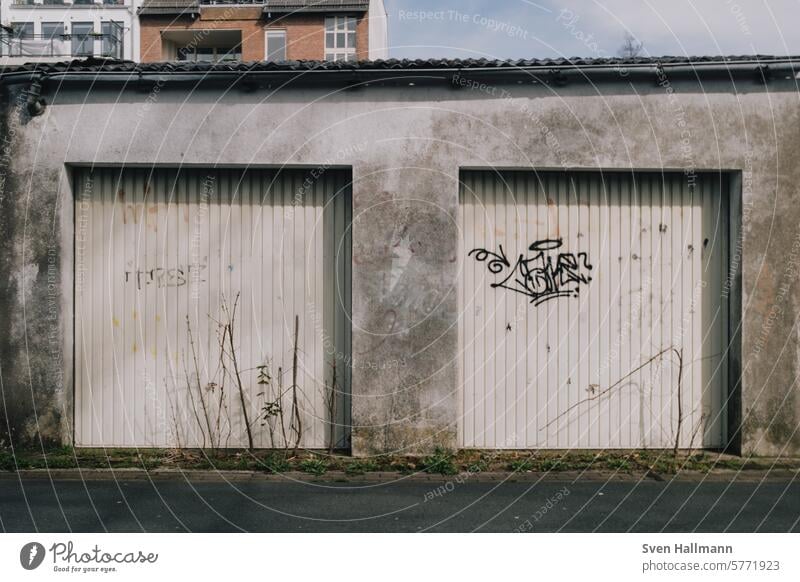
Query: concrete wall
[
  {"x": 35, "y": 322},
  {"x": 406, "y": 146}
]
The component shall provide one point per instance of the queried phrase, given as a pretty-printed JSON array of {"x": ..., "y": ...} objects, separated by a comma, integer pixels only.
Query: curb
[{"x": 384, "y": 477}]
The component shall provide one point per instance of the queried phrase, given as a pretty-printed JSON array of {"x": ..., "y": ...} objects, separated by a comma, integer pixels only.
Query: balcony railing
[
  {"x": 68, "y": 2},
  {"x": 36, "y": 46}
]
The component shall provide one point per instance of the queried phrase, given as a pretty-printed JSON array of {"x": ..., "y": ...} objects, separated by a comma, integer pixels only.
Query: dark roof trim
[
  {"x": 314, "y": 9},
  {"x": 179, "y": 7},
  {"x": 405, "y": 72},
  {"x": 291, "y": 6},
  {"x": 151, "y": 7},
  {"x": 159, "y": 10}
]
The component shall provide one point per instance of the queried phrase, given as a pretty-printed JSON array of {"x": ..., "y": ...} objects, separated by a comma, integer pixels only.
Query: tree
[{"x": 631, "y": 47}]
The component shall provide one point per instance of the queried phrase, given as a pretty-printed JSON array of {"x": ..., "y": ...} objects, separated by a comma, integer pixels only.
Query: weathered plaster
[{"x": 33, "y": 308}]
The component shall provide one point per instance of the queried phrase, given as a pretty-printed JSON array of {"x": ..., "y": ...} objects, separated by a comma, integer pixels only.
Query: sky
[{"x": 500, "y": 29}]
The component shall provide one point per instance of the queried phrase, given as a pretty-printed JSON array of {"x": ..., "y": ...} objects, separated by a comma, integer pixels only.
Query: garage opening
[
  {"x": 593, "y": 310},
  {"x": 188, "y": 286}
]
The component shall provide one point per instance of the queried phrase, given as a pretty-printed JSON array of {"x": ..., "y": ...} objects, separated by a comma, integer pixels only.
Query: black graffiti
[
  {"x": 162, "y": 277},
  {"x": 545, "y": 275}
]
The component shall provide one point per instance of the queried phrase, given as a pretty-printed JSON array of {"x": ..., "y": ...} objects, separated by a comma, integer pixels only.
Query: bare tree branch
[{"x": 631, "y": 47}]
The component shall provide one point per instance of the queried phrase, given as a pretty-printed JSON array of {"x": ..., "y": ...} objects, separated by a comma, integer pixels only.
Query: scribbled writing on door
[
  {"x": 161, "y": 277},
  {"x": 545, "y": 274}
]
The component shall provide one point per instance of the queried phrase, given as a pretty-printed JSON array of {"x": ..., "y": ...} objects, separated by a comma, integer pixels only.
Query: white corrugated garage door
[
  {"x": 571, "y": 284},
  {"x": 154, "y": 248}
]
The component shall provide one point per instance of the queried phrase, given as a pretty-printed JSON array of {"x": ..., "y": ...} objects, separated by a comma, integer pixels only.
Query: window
[
  {"x": 340, "y": 38},
  {"x": 13, "y": 43},
  {"x": 112, "y": 39},
  {"x": 52, "y": 30},
  {"x": 209, "y": 54},
  {"x": 53, "y": 36},
  {"x": 276, "y": 45},
  {"x": 82, "y": 39},
  {"x": 22, "y": 29}
]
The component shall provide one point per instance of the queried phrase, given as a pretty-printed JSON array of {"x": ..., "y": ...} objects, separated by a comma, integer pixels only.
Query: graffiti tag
[
  {"x": 161, "y": 277},
  {"x": 545, "y": 275}
]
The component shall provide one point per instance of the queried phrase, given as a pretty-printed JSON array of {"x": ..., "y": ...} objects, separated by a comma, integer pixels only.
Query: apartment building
[
  {"x": 57, "y": 30},
  {"x": 249, "y": 30},
  {"x": 192, "y": 30}
]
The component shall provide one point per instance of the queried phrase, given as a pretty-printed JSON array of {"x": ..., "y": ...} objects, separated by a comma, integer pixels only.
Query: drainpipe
[{"x": 35, "y": 103}]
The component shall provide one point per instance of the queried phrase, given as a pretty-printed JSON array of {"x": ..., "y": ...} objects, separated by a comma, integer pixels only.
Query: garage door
[
  {"x": 593, "y": 310},
  {"x": 162, "y": 260}
]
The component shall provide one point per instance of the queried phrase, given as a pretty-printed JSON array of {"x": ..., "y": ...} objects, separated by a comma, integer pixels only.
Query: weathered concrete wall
[
  {"x": 7, "y": 294},
  {"x": 406, "y": 146},
  {"x": 32, "y": 314}
]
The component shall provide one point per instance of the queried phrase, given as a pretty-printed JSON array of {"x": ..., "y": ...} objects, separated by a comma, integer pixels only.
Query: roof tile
[{"x": 110, "y": 65}]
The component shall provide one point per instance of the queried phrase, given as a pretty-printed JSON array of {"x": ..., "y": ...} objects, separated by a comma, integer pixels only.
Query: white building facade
[{"x": 55, "y": 30}]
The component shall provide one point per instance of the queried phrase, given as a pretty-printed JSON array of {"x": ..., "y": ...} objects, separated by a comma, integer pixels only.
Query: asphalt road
[{"x": 406, "y": 506}]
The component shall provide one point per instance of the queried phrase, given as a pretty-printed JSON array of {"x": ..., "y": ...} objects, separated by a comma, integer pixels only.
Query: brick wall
[
  {"x": 305, "y": 33},
  {"x": 305, "y": 36},
  {"x": 362, "y": 38}
]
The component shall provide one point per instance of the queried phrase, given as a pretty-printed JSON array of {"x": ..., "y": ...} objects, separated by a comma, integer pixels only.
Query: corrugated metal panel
[
  {"x": 158, "y": 249},
  {"x": 571, "y": 284}
]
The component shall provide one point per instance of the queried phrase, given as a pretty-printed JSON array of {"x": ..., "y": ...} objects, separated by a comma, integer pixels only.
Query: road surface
[{"x": 552, "y": 504}]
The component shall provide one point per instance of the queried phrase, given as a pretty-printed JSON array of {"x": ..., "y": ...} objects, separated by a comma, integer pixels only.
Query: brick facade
[{"x": 305, "y": 33}]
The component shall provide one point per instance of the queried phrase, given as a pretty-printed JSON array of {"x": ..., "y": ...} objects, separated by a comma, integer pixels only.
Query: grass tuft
[
  {"x": 314, "y": 465},
  {"x": 442, "y": 461}
]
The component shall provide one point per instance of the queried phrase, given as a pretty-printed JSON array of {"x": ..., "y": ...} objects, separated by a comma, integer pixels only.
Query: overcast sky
[{"x": 590, "y": 28}]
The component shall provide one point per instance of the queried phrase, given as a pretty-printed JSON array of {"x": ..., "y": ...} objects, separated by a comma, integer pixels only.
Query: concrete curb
[{"x": 383, "y": 477}]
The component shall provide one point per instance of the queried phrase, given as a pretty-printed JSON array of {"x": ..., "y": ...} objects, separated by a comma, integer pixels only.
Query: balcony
[
  {"x": 201, "y": 45},
  {"x": 16, "y": 49}
]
